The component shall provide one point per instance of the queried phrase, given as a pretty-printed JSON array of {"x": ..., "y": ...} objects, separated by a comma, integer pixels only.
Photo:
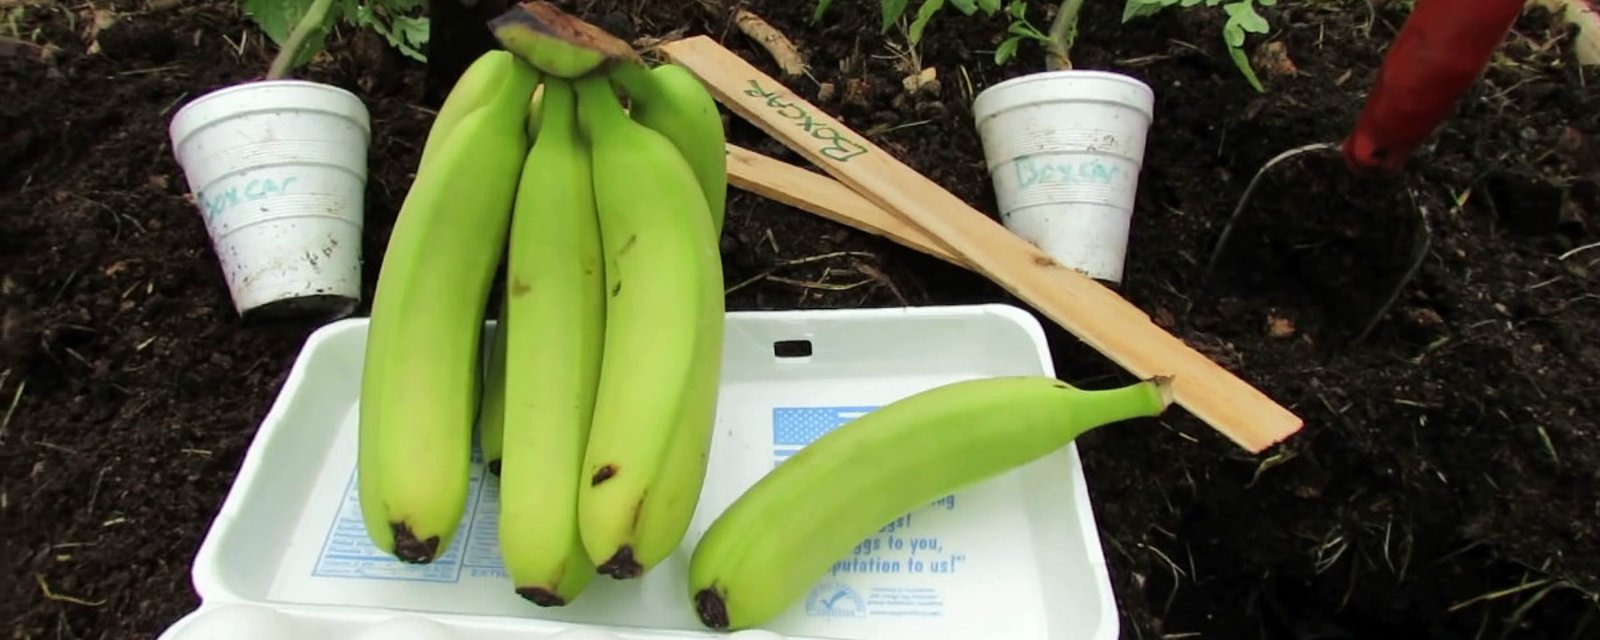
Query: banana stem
[
  {"x": 1062, "y": 30},
  {"x": 634, "y": 79},
  {"x": 597, "y": 101},
  {"x": 309, "y": 23},
  {"x": 1144, "y": 399}
]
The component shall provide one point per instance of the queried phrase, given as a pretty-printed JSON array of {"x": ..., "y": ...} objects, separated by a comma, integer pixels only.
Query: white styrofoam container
[
  {"x": 278, "y": 170},
  {"x": 1064, "y": 150},
  {"x": 1015, "y": 557}
]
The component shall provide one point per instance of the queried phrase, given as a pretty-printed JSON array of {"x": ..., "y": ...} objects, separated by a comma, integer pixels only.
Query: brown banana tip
[
  {"x": 605, "y": 473},
  {"x": 494, "y": 467},
  {"x": 1164, "y": 387},
  {"x": 622, "y": 566},
  {"x": 410, "y": 549},
  {"x": 713, "y": 611},
  {"x": 541, "y": 596},
  {"x": 548, "y": 20}
]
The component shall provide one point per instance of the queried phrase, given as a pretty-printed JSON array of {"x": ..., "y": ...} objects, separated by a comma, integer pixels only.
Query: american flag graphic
[{"x": 795, "y": 427}]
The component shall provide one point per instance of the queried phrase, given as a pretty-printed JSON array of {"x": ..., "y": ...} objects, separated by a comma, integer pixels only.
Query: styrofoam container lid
[
  {"x": 266, "y": 96},
  {"x": 1069, "y": 85},
  {"x": 1016, "y": 557}
]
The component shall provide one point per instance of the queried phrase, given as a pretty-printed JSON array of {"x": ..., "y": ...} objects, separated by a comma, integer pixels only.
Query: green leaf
[
  {"x": 1018, "y": 9},
  {"x": 1243, "y": 14},
  {"x": 1025, "y": 30},
  {"x": 388, "y": 18},
  {"x": 924, "y": 14},
  {"x": 989, "y": 6},
  {"x": 892, "y": 10},
  {"x": 1243, "y": 63},
  {"x": 277, "y": 18},
  {"x": 1006, "y": 50},
  {"x": 407, "y": 34},
  {"x": 822, "y": 6},
  {"x": 967, "y": 7},
  {"x": 1142, "y": 8}
]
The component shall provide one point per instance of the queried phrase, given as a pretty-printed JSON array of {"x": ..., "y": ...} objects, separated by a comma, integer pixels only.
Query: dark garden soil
[{"x": 1446, "y": 484}]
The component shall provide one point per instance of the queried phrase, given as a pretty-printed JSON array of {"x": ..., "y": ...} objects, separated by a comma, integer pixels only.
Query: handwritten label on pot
[{"x": 218, "y": 199}]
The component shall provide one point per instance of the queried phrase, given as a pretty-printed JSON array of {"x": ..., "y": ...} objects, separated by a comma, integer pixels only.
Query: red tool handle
[{"x": 1442, "y": 48}]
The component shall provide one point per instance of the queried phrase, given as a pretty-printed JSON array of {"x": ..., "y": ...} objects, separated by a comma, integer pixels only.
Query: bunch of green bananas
[
  {"x": 596, "y": 405},
  {"x": 597, "y": 402}
]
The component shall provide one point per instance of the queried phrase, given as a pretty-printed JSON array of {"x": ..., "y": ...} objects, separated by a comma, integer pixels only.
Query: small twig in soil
[
  {"x": 1496, "y": 595},
  {"x": 51, "y": 595},
  {"x": 1175, "y": 431},
  {"x": 1249, "y": 190},
  {"x": 967, "y": 90},
  {"x": 794, "y": 262},
  {"x": 94, "y": 493},
  {"x": 149, "y": 70},
  {"x": 57, "y": 447},
  {"x": 770, "y": 38},
  {"x": 13, "y": 48},
  {"x": 16, "y": 399},
  {"x": 238, "y": 47},
  {"x": 819, "y": 284},
  {"x": 1514, "y": 621},
  {"x": 1268, "y": 463},
  {"x": 882, "y": 278},
  {"x": 1544, "y": 283},
  {"x": 1577, "y": 250},
  {"x": 1177, "y": 575},
  {"x": 1140, "y": 61},
  {"x": 881, "y": 130},
  {"x": 1549, "y": 446}
]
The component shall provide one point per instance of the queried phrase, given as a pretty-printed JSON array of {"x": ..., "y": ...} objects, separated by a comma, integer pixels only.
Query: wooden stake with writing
[{"x": 1087, "y": 309}]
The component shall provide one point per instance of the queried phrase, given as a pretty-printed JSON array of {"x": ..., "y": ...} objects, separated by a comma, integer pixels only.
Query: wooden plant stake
[
  {"x": 822, "y": 196},
  {"x": 1087, "y": 309}
]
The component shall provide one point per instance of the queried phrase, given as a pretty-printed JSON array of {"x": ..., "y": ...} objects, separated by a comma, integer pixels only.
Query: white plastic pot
[
  {"x": 1064, "y": 150},
  {"x": 278, "y": 170}
]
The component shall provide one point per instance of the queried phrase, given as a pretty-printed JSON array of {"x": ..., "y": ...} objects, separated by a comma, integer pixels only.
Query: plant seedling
[{"x": 298, "y": 26}]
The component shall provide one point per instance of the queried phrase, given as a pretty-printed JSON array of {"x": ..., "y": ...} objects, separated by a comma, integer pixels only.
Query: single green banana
[
  {"x": 661, "y": 363},
  {"x": 671, "y": 100},
  {"x": 555, "y": 42},
  {"x": 491, "y": 413},
  {"x": 780, "y": 536},
  {"x": 420, "y": 374},
  {"x": 556, "y": 303},
  {"x": 473, "y": 89}
]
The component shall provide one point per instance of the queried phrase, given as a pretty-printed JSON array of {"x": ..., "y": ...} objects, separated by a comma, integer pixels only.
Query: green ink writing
[
  {"x": 218, "y": 202},
  {"x": 839, "y": 147},
  {"x": 1030, "y": 172}
]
